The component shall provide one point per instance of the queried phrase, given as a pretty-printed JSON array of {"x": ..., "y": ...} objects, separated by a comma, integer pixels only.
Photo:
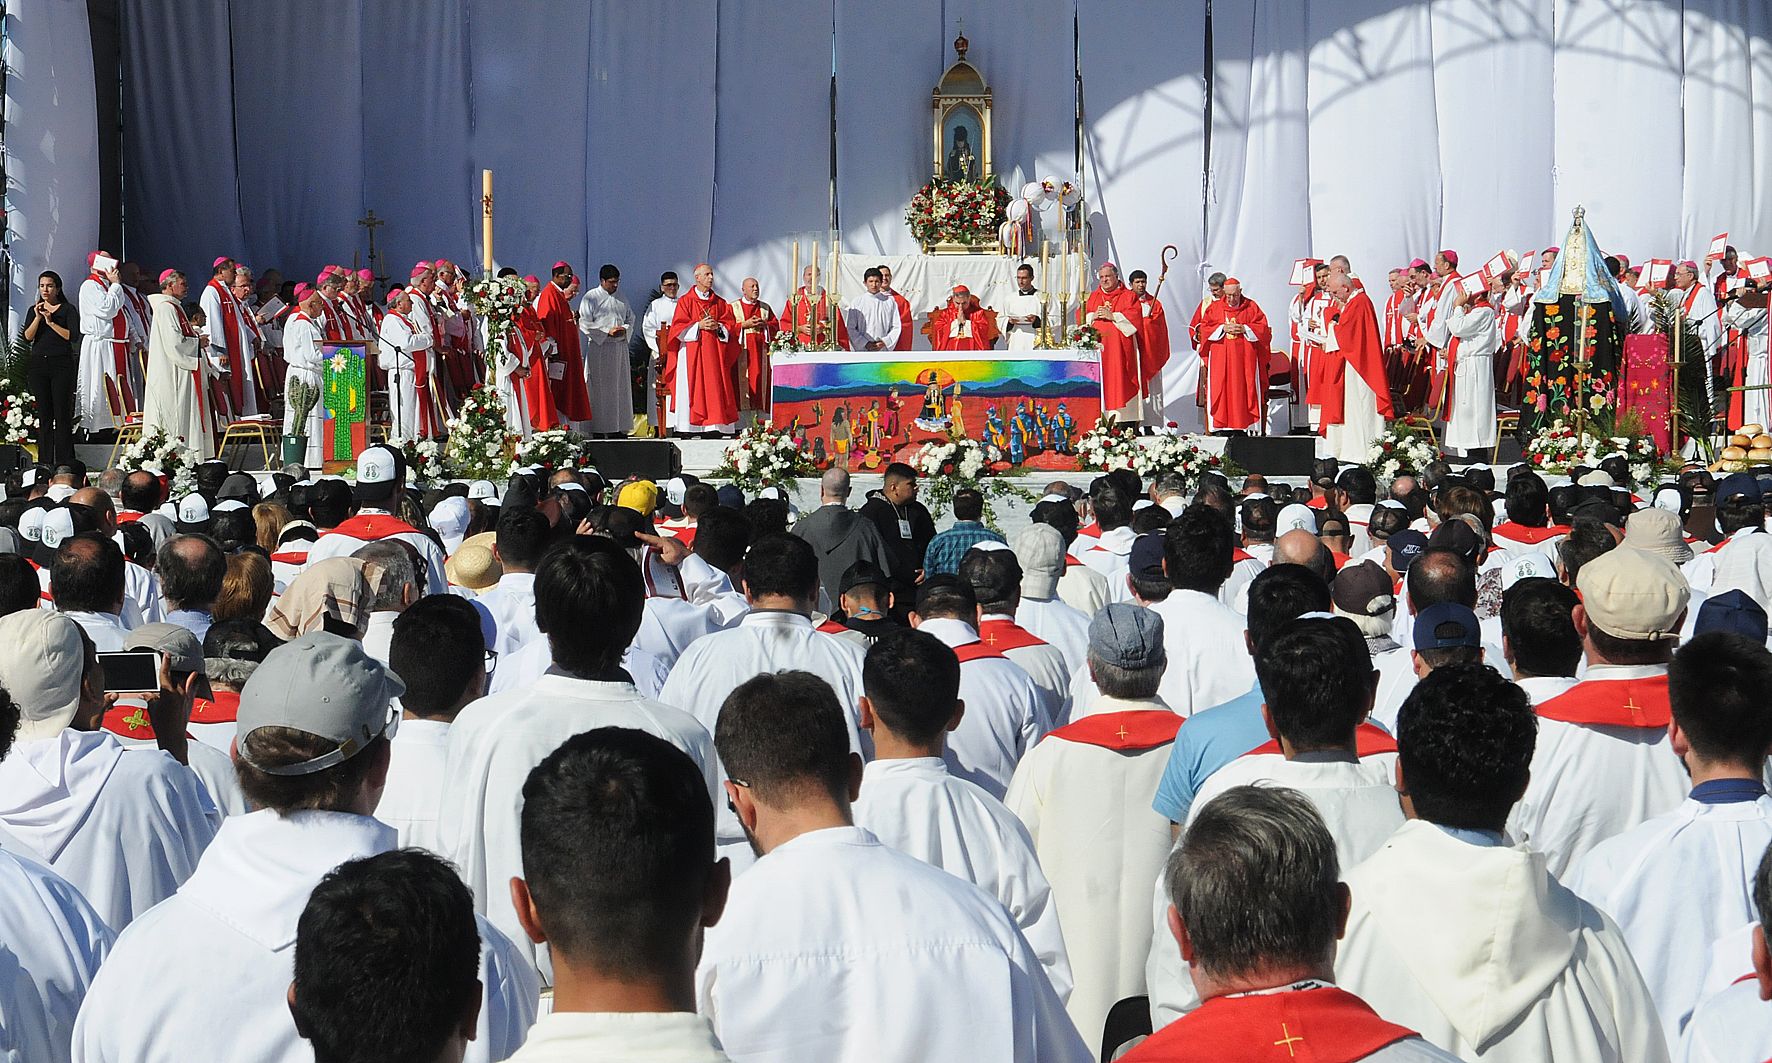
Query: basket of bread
[{"x": 1748, "y": 445}]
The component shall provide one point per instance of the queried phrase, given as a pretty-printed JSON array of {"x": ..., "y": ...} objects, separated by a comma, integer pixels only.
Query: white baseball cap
[
  {"x": 30, "y": 524},
  {"x": 42, "y": 669},
  {"x": 193, "y": 509},
  {"x": 380, "y": 469},
  {"x": 58, "y": 527},
  {"x": 483, "y": 491}
]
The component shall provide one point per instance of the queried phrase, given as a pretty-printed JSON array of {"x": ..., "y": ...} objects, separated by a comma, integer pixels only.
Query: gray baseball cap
[
  {"x": 326, "y": 685},
  {"x": 183, "y": 652},
  {"x": 1127, "y": 635}
]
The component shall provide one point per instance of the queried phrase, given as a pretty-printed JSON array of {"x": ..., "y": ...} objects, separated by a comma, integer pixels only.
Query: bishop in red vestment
[
  {"x": 1112, "y": 310},
  {"x": 962, "y": 325},
  {"x": 757, "y": 325},
  {"x": 536, "y": 386},
  {"x": 1234, "y": 344},
  {"x": 571, "y": 401},
  {"x": 1153, "y": 330},
  {"x": 703, "y": 348},
  {"x": 810, "y": 312}
]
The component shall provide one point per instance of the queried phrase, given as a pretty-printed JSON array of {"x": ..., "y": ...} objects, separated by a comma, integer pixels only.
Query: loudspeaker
[
  {"x": 650, "y": 459},
  {"x": 1273, "y": 455}
]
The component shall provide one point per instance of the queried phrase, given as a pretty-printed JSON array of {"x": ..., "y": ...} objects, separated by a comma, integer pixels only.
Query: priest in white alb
[
  {"x": 910, "y": 800},
  {"x": 1468, "y": 403},
  {"x": 1747, "y": 363},
  {"x": 232, "y": 341},
  {"x": 394, "y": 354},
  {"x": 178, "y": 374},
  {"x": 607, "y": 322},
  {"x": 105, "y": 347},
  {"x": 872, "y": 319},
  {"x": 1022, "y": 312},
  {"x": 1466, "y": 938},
  {"x": 302, "y": 340}
]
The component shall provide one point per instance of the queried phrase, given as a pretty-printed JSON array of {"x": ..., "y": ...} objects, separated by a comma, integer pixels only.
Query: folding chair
[
  {"x": 1506, "y": 420},
  {"x": 129, "y": 425}
]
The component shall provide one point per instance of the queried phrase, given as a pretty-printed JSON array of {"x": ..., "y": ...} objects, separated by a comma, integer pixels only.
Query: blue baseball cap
[
  {"x": 1732, "y": 611},
  {"x": 1405, "y": 547},
  {"x": 1445, "y": 625},
  {"x": 1739, "y": 483}
]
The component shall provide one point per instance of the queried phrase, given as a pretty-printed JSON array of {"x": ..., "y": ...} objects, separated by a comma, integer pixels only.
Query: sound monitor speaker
[
  {"x": 650, "y": 459},
  {"x": 1273, "y": 455}
]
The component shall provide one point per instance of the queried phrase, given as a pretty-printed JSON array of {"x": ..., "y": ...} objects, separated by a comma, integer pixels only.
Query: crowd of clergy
[{"x": 1467, "y": 765}]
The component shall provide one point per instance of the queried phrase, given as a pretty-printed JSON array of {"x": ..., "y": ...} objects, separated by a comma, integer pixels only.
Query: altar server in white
[
  {"x": 301, "y": 349},
  {"x": 1084, "y": 795},
  {"x": 1735, "y": 1022},
  {"x": 1209, "y": 660},
  {"x": 177, "y": 399},
  {"x": 588, "y": 599},
  {"x": 781, "y": 584},
  {"x": 873, "y": 316},
  {"x": 1318, "y": 683},
  {"x": 206, "y": 974},
  {"x": 125, "y": 830},
  {"x": 397, "y": 334},
  {"x": 607, "y": 322},
  {"x": 1470, "y": 406},
  {"x": 1603, "y": 763},
  {"x": 55, "y": 942},
  {"x": 1022, "y": 312},
  {"x": 1469, "y": 940},
  {"x": 1683, "y": 879},
  {"x": 104, "y": 344},
  {"x": 1006, "y": 713},
  {"x": 910, "y": 801},
  {"x": 837, "y": 948}
]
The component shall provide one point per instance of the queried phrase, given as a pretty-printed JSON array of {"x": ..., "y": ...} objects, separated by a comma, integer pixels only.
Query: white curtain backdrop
[
  {"x": 1383, "y": 129},
  {"x": 51, "y": 146}
]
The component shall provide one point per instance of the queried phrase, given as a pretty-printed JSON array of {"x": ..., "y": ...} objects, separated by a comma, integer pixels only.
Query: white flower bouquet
[
  {"x": 553, "y": 449},
  {"x": 1398, "y": 453},
  {"x": 166, "y": 456},
  {"x": 957, "y": 463},
  {"x": 497, "y": 301},
  {"x": 18, "y": 419},
  {"x": 1107, "y": 446},
  {"x": 764, "y": 456},
  {"x": 479, "y": 447},
  {"x": 1559, "y": 447}
]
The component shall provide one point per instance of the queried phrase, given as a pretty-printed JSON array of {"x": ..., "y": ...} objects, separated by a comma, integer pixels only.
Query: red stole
[
  {"x": 1369, "y": 740},
  {"x": 571, "y": 400},
  {"x": 1393, "y": 318},
  {"x": 1002, "y": 635},
  {"x": 221, "y": 709},
  {"x": 429, "y": 425},
  {"x": 184, "y": 326},
  {"x": 1119, "y": 352},
  {"x": 904, "y": 321},
  {"x": 230, "y": 324},
  {"x": 1521, "y": 533},
  {"x": 830, "y": 627},
  {"x": 708, "y": 359},
  {"x": 1126, "y": 732},
  {"x": 120, "y": 348},
  {"x": 1356, "y": 334},
  {"x": 1612, "y": 703},
  {"x": 1323, "y": 1025},
  {"x": 976, "y": 651},
  {"x": 1153, "y": 336},
  {"x": 372, "y": 526},
  {"x": 1691, "y": 298}
]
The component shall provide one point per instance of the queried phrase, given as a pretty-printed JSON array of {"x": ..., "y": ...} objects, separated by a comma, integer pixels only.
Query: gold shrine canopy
[{"x": 962, "y": 121}]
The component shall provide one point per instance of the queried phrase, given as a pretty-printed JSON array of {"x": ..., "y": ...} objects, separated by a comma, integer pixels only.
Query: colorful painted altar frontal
[{"x": 867, "y": 406}]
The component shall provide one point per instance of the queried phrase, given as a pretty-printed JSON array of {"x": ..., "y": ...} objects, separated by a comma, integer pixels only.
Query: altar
[
  {"x": 926, "y": 280},
  {"x": 865, "y": 409}
]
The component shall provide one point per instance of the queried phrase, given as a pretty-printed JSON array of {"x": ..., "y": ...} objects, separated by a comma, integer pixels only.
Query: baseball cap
[
  {"x": 1146, "y": 558},
  {"x": 641, "y": 496},
  {"x": 193, "y": 513},
  {"x": 183, "y": 652},
  {"x": 1405, "y": 546},
  {"x": 483, "y": 491},
  {"x": 1633, "y": 595},
  {"x": 238, "y": 485},
  {"x": 1127, "y": 635},
  {"x": 862, "y": 573},
  {"x": 1295, "y": 517},
  {"x": 41, "y": 669},
  {"x": 1363, "y": 589},
  {"x": 1444, "y": 625},
  {"x": 57, "y": 527},
  {"x": 1732, "y": 611},
  {"x": 730, "y": 496},
  {"x": 1040, "y": 549},
  {"x": 1738, "y": 483},
  {"x": 449, "y": 518},
  {"x": 380, "y": 470},
  {"x": 1458, "y": 537},
  {"x": 324, "y": 685}
]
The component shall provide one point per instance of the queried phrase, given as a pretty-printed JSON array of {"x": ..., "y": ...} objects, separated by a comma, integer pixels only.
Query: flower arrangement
[
  {"x": 959, "y": 212},
  {"x": 957, "y": 463},
  {"x": 763, "y": 456},
  {"x": 497, "y": 301},
  {"x": 552, "y": 450},
  {"x": 1172, "y": 452},
  {"x": 1107, "y": 446},
  {"x": 166, "y": 456},
  {"x": 479, "y": 447},
  {"x": 18, "y": 418},
  {"x": 1083, "y": 338},
  {"x": 424, "y": 458},
  {"x": 1558, "y": 447},
  {"x": 1398, "y": 453}
]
